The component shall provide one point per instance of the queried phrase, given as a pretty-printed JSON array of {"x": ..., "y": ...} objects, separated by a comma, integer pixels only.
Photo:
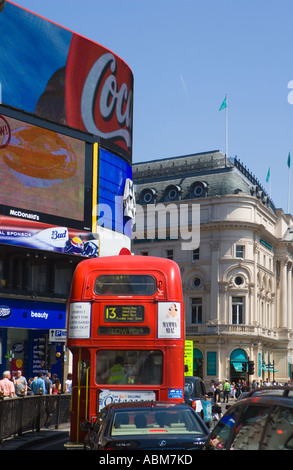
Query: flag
[
  {"x": 268, "y": 176},
  {"x": 289, "y": 160},
  {"x": 224, "y": 104}
]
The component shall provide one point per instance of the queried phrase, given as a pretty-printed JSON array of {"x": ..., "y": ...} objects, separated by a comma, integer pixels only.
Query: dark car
[
  {"x": 146, "y": 425},
  {"x": 263, "y": 420},
  {"x": 195, "y": 395}
]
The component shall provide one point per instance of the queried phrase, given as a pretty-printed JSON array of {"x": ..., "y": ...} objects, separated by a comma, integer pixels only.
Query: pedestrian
[
  {"x": 56, "y": 386},
  {"x": 68, "y": 383},
  {"x": 7, "y": 386},
  {"x": 38, "y": 385},
  {"x": 29, "y": 384},
  {"x": 238, "y": 387},
  {"x": 48, "y": 383},
  {"x": 232, "y": 390},
  {"x": 254, "y": 384},
  {"x": 216, "y": 409},
  {"x": 20, "y": 384},
  {"x": 226, "y": 390}
]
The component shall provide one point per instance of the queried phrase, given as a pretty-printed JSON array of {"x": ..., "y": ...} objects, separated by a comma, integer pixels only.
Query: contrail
[{"x": 184, "y": 87}]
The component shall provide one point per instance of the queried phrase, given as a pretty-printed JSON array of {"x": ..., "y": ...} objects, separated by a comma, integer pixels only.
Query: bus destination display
[{"x": 124, "y": 313}]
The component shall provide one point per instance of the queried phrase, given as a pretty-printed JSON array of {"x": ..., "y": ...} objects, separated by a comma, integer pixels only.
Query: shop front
[
  {"x": 238, "y": 365},
  {"x": 25, "y": 336}
]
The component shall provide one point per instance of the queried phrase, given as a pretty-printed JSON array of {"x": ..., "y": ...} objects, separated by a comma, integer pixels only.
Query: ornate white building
[{"x": 238, "y": 282}]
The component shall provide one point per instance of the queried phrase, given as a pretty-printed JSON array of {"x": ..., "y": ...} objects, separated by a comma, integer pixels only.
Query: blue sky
[{"x": 186, "y": 55}]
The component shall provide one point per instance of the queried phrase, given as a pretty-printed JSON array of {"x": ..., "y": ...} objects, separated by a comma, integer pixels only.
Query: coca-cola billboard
[
  {"x": 98, "y": 93},
  {"x": 67, "y": 78}
]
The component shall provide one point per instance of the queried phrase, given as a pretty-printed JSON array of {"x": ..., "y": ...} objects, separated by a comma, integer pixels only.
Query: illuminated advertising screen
[
  {"x": 67, "y": 79},
  {"x": 58, "y": 187},
  {"x": 43, "y": 173},
  {"x": 45, "y": 185}
]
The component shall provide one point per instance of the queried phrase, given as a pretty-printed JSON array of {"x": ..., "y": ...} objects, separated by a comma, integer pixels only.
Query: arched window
[
  {"x": 172, "y": 193},
  {"x": 238, "y": 357},
  {"x": 148, "y": 196}
]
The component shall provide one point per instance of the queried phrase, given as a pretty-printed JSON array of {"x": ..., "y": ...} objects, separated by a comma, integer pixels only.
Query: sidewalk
[{"x": 29, "y": 437}]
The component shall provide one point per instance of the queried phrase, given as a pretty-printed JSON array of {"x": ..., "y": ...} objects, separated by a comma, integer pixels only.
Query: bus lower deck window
[{"x": 129, "y": 367}]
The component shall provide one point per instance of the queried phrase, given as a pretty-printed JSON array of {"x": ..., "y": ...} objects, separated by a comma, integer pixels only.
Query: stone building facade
[{"x": 237, "y": 279}]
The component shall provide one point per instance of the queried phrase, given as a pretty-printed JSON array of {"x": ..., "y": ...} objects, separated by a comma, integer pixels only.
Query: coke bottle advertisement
[{"x": 66, "y": 79}]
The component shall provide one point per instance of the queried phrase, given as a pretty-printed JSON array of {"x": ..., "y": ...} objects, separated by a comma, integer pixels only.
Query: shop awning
[
  {"x": 268, "y": 367},
  {"x": 237, "y": 366}
]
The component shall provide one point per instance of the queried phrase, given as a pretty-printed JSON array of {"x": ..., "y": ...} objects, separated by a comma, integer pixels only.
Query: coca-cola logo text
[{"x": 112, "y": 100}]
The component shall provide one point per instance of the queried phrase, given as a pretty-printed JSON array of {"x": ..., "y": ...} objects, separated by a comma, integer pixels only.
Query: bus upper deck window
[{"x": 125, "y": 284}]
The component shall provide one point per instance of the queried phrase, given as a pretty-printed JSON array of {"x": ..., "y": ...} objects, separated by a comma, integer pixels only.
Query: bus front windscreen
[{"x": 125, "y": 284}]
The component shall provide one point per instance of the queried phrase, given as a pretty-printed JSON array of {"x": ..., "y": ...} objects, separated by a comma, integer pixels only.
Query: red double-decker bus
[{"x": 126, "y": 333}]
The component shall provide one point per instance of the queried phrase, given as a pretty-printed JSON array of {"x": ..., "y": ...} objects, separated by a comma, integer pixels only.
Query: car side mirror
[{"x": 85, "y": 426}]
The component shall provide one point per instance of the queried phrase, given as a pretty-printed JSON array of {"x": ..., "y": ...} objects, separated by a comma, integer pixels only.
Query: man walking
[
  {"x": 20, "y": 384},
  {"x": 38, "y": 385},
  {"x": 226, "y": 390},
  {"x": 6, "y": 386}
]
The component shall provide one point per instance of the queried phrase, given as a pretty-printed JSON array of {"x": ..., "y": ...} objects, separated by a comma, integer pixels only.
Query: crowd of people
[
  {"x": 223, "y": 391},
  {"x": 42, "y": 384}
]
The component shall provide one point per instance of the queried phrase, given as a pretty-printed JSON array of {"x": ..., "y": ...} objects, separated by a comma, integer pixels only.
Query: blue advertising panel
[
  {"x": 31, "y": 314},
  {"x": 113, "y": 175}
]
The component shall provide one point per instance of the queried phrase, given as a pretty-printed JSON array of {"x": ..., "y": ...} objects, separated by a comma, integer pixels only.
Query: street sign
[{"x": 57, "y": 336}]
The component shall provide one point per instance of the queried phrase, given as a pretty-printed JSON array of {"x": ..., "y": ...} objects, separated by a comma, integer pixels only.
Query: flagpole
[
  {"x": 289, "y": 165},
  {"x": 226, "y": 155},
  {"x": 268, "y": 180},
  {"x": 225, "y": 105},
  {"x": 288, "y": 191}
]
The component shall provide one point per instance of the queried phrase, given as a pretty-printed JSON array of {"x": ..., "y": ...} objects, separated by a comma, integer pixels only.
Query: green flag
[
  {"x": 224, "y": 104},
  {"x": 289, "y": 160},
  {"x": 268, "y": 175}
]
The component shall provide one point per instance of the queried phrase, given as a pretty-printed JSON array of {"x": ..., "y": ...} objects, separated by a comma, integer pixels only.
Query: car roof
[
  {"x": 272, "y": 391},
  {"x": 191, "y": 378},
  {"x": 145, "y": 405},
  {"x": 275, "y": 395}
]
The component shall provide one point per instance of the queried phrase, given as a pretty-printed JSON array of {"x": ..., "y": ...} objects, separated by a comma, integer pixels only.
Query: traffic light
[
  {"x": 41, "y": 347},
  {"x": 43, "y": 350},
  {"x": 250, "y": 367},
  {"x": 244, "y": 367}
]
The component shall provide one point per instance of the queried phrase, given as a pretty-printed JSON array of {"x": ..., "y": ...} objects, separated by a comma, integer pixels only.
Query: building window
[
  {"x": 144, "y": 253},
  {"x": 212, "y": 360},
  {"x": 238, "y": 280},
  {"x": 196, "y": 310},
  {"x": 239, "y": 251},
  {"x": 195, "y": 254},
  {"x": 148, "y": 196},
  {"x": 237, "y": 310},
  {"x": 169, "y": 254},
  {"x": 172, "y": 193},
  {"x": 196, "y": 282},
  {"x": 198, "y": 189}
]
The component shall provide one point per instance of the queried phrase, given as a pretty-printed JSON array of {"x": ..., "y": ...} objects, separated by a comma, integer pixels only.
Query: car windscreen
[{"x": 152, "y": 422}]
